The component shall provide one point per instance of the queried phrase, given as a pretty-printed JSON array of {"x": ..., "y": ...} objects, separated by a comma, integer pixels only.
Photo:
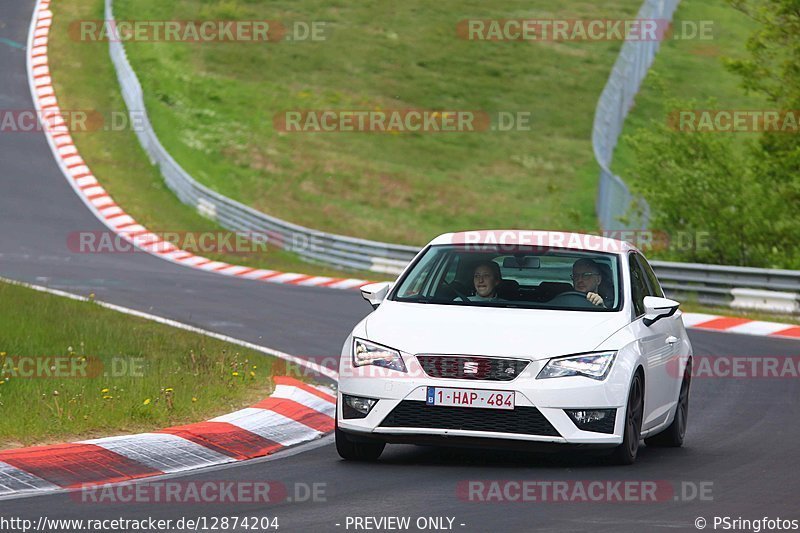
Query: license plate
[{"x": 487, "y": 399}]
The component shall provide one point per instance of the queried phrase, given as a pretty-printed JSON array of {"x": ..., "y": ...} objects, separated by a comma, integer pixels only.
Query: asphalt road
[
  {"x": 38, "y": 210},
  {"x": 742, "y": 437}
]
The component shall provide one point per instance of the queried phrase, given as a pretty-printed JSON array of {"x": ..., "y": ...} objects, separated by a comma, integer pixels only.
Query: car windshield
[{"x": 513, "y": 276}]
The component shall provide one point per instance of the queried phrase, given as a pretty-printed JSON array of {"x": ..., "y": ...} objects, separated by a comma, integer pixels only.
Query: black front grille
[
  {"x": 414, "y": 414},
  {"x": 466, "y": 367}
]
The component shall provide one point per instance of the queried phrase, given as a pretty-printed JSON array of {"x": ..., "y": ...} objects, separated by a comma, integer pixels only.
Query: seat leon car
[{"x": 522, "y": 339}]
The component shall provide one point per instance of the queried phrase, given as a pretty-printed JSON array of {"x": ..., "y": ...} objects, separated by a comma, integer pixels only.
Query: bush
[{"x": 745, "y": 195}]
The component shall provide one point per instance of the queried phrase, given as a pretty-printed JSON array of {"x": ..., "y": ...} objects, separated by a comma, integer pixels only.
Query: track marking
[{"x": 12, "y": 44}]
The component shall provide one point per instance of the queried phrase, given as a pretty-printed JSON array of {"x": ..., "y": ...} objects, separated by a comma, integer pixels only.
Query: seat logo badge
[
  {"x": 509, "y": 371},
  {"x": 470, "y": 367}
]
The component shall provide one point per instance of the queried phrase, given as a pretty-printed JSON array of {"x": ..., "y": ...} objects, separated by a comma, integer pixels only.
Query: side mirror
[
  {"x": 375, "y": 293},
  {"x": 656, "y": 308}
]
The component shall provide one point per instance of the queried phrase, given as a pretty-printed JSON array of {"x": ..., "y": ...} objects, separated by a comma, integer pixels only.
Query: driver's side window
[
  {"x": 653, "y": 287},
  {"x": 638, "y": 285}
]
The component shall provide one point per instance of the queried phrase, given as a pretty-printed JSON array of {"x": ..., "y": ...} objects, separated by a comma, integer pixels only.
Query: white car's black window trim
[{"x": 439, "y": 271}]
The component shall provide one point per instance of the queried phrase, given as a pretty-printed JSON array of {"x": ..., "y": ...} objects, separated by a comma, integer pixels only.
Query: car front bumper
[{"x": 547, "y": 398}]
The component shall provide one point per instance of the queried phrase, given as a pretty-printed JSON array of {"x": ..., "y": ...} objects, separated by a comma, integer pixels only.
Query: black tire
[
  {"x": 625, "y": 453},
  {"x": 356, "y": 451},
  {"x": 673, "y": 436}
]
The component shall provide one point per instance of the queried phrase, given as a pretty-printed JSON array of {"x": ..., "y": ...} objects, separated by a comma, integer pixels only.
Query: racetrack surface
[
  {"x": 742, "y": 435},
  {"x": 38, "y": 210}
]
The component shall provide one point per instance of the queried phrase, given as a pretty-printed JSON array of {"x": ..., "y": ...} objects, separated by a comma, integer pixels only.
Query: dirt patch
[{"x": 706, "y": 50}]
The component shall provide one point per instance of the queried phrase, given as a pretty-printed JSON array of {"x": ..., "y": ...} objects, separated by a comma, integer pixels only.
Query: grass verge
[
  {"x": 213, "y": 106},
  {"x": 84, "y": 79},
  {"x": 110, "y": 373}
]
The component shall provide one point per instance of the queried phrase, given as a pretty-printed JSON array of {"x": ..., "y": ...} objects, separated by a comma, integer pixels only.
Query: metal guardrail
[
  {"x": 614, "y": 199},
  {"x": 312, "y": 245},
  {"x": 712, "y": 284},
  {"x": 361, "y": 254}
]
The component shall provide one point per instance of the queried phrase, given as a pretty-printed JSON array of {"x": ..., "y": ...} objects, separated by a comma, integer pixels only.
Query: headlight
[
  {"x": 591, "y": 365},
  {"x": 369, "y": 353}
]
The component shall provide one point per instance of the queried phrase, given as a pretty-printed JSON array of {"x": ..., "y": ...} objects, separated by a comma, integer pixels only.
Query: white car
[{"x": 513, "y": 338}]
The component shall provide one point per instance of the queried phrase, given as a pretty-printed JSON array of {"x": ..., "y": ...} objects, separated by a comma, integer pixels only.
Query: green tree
[
  {"x": 774, "y": 64},
  {"x": 700, "y": 184},
  {"x": 773, "y": 69},
  {"x": 745, "y": 195}
]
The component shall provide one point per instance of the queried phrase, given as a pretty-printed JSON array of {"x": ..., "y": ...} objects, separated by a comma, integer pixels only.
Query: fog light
[
  {"x": 598, "y": 420},
  {"x": 356, "y": 407}
]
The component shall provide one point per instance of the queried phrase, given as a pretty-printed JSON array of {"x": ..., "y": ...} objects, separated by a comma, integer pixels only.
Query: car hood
[{"x": 524, "y": 333}]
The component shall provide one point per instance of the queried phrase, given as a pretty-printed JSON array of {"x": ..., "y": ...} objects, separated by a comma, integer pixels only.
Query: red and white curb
[
  {"x": 97, "y": 198},
  {"x": 296, "y": 412},
  {"x": 746, "y": 326}
]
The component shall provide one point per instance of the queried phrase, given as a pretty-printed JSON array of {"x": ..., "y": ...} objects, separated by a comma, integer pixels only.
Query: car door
[
  {"x": 677, "y": 337},
  {"x": 656, "y": 344}
]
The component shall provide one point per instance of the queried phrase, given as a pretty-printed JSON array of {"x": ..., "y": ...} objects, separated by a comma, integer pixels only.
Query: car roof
[{"x": 554, "y": 239}]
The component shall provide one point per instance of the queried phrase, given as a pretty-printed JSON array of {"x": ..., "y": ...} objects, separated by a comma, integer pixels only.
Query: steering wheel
[
  {"x": 573, "y": 298},
  {"x": 453, "y": 288}
]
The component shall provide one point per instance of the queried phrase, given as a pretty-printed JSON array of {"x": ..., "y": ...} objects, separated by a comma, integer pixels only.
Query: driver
[
  {"x": 586, "y": 278},
  {"x": 486, "y": 278}
]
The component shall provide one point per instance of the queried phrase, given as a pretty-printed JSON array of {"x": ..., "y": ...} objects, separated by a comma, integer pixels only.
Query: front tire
[
  {"x": 673, "y": 436},
  {"x": 625, "y": 453},
  {"x": 352, "y": 450}
]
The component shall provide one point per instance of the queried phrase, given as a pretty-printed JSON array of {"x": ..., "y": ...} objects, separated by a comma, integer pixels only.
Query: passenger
[
  {"x": 486, "y": 278},
  {"x": 587, "y": 278}
]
